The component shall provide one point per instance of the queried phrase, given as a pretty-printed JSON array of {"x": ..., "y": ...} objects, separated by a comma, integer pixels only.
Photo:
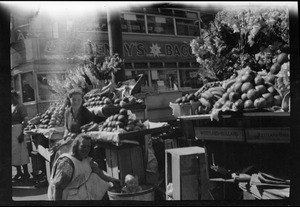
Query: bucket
[{"x": 147, "y": 194}]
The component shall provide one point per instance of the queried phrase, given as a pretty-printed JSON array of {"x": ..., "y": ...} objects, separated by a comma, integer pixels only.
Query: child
[{"x": 131, "y": 184}]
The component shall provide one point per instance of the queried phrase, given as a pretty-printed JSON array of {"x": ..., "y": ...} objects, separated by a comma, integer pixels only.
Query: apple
[
  {"x": 258, "y": 80},
  {"x": 253, "y": 94},
  {"x": 261, "y": 89},
  {"x": 277, "y": 100},
  {"x": 218, "y": 105},
  {"x": 244, "y": 96},
  {"x": 260, "y": 103},
  {"x": 246, "y": 87},
  {"x": 247, "y": 78},
  {"x": 269, "y": 98},
  {"x": 248, "y": 104},
  {"x": 270, "y": 78},
  {"x": 239, "y": 104}
]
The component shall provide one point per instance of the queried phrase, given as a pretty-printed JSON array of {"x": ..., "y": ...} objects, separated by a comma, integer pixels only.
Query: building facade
[{"x": 155, "y": 43}]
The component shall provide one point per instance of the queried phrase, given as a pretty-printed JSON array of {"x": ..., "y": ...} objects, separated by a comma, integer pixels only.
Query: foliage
[
  {"x": 241, "y": 37},
  {"x": 88, "y": 74}
]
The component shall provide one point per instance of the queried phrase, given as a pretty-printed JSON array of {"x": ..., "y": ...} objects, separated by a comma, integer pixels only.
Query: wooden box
[
  {"x": 123, "y": 160},
  {"x": 186, "y": 170}
]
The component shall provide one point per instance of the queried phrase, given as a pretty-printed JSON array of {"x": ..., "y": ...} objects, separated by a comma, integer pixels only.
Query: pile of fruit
[
  {"x": 246, "y": 90},
  {"x": 98, "y": 100},
  {"x": 249, "y": 90},
  {"x": 121, "y": 122},
  {"x": 53, "y": 117}
]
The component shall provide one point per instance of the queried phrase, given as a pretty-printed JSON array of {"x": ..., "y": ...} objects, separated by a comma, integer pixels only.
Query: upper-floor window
[
  {"x": 206, "y": 18},
  {"x": 133, "y": 23},
  {"x": 187, "y": 27},
  {"x": 160, "y": 25}
]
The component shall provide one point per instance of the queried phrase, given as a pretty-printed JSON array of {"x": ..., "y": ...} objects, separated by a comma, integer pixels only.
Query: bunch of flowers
[
  {"x": 109, "y": 66},
  {"x": 241, "y": 37}
]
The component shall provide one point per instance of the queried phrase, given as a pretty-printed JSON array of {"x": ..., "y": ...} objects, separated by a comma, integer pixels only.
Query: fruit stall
[{"x": 243, "y": 120}]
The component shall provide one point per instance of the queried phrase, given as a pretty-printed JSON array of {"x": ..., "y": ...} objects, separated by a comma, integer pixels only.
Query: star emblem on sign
[{"x": 155, "y": 50}]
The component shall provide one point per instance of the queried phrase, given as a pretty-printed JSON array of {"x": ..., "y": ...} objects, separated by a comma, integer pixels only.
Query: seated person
[
  {"x": 131, "y": 184},
  {"x": 75, "y": 176}
]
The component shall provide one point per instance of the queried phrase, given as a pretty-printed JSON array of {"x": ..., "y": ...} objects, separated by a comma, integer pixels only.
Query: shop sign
[
  {"x": 268, "y": 135},
  {"x": 132, "y": 50},
  {"x": 160, "y": 50},
  {"x": 220, "y": 133}
]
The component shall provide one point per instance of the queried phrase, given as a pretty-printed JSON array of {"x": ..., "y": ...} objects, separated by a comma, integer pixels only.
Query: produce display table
[
  {"x": 125, "y": 152},
  {"x": 128, "y": 153},
  {"x": 240, "y": 140},
  {"x": 140, "y": 110}
]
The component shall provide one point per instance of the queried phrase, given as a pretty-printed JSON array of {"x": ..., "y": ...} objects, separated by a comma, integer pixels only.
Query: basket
[
  {"x": 147, "y": 194},
  {"x": 181, "y": 109}
]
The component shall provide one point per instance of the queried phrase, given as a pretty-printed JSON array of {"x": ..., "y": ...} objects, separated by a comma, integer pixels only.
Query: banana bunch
[
  {"x": 207, "y": 86},
  {"x": 208, "y": 98}
]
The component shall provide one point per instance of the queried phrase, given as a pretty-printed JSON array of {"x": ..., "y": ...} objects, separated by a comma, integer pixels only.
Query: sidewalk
[{"x": 26, "y": 191}]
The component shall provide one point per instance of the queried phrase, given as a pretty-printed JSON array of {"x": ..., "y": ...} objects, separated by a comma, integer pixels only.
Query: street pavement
[{"x": 26, "y": 190}]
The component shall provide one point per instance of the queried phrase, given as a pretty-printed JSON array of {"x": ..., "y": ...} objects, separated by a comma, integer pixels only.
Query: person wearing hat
[
  {"x": 20, "y": 154},
  {"x": 75, "y": 116}
]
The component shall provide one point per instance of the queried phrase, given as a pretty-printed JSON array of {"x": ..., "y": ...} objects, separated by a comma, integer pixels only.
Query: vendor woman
[
  {"x": 75, "y": 116},
  {"x": 20, "y": 154}
]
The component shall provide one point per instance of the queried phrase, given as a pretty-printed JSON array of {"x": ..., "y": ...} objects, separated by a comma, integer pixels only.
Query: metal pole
[{"x": 115, "y": 40}]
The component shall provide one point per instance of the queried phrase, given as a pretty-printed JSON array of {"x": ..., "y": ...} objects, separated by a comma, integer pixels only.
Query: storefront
[{"x": 155, "y": 43}]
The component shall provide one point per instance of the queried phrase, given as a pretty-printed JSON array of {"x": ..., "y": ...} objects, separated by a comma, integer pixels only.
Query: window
[
  {"x": 184, "y": 64},
  {"x": 167, "y": 12},
  {"x": 17, "y": 86},
  {"x": 160, "y": 25},
  {"x": 152, "y": 10},
  {"x": 27, "y": 87},
  {"x": 134, "y": 74},
  {"x": 164, "y": 80},
  {"x": 156, "y": 65},
  {"x": 187, "y": 27},
  {"x": 103, "y": 24},
  {"x": 128, "y": 65},
  {"x": 179, "y": 13},
  {"x": 206, "y": 18},
  {"x": 189, "y": 78},
  {"x": 140, "y": 65},
  {"x": 45, "y": 91},
  {"x": 192, "y": 15},
  {"x": 170, "y": 65},
  {"x": 133, "y": 23}
]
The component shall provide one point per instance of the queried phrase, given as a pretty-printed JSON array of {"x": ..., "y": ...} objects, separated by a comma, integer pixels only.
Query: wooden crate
[
  {"x": 186, "y": 170},
  {"x": 123, "y": 160}
]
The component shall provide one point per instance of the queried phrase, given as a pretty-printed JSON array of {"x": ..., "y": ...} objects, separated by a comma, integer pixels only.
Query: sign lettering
[{"x": 132, "y": 50}]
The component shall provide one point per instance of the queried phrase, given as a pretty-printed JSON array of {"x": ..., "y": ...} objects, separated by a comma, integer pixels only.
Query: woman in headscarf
[
  {"x": 20, "y": 154},
  {"x": 75, "y": 117},
  {"x": 75, "y": 176}
]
